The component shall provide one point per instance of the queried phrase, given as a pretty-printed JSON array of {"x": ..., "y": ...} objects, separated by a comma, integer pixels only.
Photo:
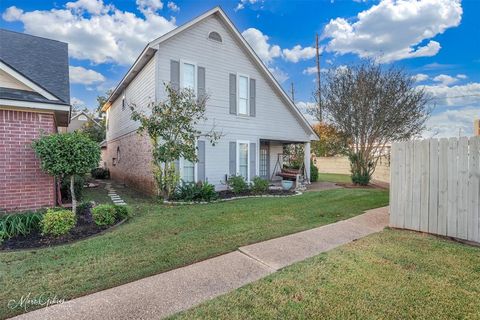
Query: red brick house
[{"x": 34, "y": 98}]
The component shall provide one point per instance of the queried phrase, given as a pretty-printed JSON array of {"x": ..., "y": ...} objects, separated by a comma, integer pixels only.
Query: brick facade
[
  {"x": 23, "y": 186},
  {"x": 134, "y": 166}
]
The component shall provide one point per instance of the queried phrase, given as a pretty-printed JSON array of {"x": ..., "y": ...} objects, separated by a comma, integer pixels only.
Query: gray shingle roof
[
  {"x": 41, "y": 60},
  {"x": 23, "y": 95}
]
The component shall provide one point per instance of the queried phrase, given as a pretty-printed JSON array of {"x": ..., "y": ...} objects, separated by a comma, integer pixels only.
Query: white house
[{"x": 245, "y": 103}]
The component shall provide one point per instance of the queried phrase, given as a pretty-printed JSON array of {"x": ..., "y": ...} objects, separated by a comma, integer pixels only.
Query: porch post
[{"x": 307, "y": 160}]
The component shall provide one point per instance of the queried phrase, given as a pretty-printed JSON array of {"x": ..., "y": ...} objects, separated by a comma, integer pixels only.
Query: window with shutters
[
  {"x": 243, "y": 159},
  {"x": 188, "y": 77},
  {"x": 188, "y": 171},
  {"x": 243, "y": 95}
]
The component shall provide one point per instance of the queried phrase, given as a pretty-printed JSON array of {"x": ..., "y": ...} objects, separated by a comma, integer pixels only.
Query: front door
[{"x": 264, "y": 168}]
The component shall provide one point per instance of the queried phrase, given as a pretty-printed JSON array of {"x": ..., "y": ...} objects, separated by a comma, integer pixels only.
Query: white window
[
  {"x": 242, "y": 95},
  {"x": 188, "y": 171},
  {"x": 188, "y": 73},
  {"x": 243, "y": 159}
]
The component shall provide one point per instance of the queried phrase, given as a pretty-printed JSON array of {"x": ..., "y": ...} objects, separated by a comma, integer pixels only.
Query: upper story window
[
  {"x": 123, "y": 101},
  {"x": 243, "y": 95},
  {"x": 188, "y": 71},
  {"x": 215, "y": 36}
]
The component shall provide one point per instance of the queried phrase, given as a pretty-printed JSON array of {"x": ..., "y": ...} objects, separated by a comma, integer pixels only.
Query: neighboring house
[
  {"x": 34, "y": 99},
  {"x": 78, "y": 120},
  {"x": 245, "y": 103}
]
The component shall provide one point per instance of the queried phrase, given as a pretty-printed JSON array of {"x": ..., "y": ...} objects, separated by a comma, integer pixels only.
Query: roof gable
[{"x": 40, "y": 60}]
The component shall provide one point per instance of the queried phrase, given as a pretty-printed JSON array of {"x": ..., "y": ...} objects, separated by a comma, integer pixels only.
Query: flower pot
[{"x": 287, "y": 184}]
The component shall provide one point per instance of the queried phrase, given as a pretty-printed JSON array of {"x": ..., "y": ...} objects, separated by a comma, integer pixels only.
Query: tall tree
[
  {"x": 172, "y": 126},
  {"x": 101, "y": 100},
  {"x": 373, "y": 107}
]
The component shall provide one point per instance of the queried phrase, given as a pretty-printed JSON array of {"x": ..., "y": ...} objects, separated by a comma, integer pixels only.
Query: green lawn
[
  {"x": 159, "y": 238},
  {"x": 334, "y": 177},
  {"x": 389, "y": 275}
]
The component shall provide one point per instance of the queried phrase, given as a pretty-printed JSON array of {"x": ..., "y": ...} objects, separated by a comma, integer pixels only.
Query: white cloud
[
  {"x": 279, "y": 74},
  {"x": 242, "y": 3},
  {"x": 394, "y": 29},
  {"x": 462, "y": 76},
  {"x": 304, "y": 108},
  {"x": 173, "y": 6},
  {"x": 445, "y": 80},
  {"x": 85, "y": 76},
  {"x": 310, "y": 70},
  {"x": 94, "y": 31},
  {"x": 77, "y": 103},
  {"x": 420, "y": 77},
  {"x": 259, "y": 42},
  {"x": 298, "y": 53},
  {"x": 149, "y": 6},
  {"x": 455, "y": 109}
]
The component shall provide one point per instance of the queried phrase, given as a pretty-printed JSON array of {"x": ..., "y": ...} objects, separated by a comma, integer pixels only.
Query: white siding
[
  {"x": 274, "y": 119},
  {"x": 141, "y": 91},
  {"x": 7, "y": 81}
]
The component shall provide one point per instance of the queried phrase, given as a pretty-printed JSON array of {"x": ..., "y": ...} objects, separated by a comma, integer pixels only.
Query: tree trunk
[{"x": 72, "y": 192}]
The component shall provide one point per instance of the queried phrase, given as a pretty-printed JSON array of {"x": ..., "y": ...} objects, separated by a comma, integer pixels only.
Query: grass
[
  {"x": 389, "y": 275},
  {"x": 334, "y": 177},
  {"x": 159, "y": 238}
]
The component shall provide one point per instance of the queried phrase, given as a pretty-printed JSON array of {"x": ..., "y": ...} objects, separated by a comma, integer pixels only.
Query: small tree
[
  {"x": 65, "y": 155},
  {"x": 373, "y": 107},
  {"x": 331, "y": 141},
  {"x": 172, "y": 126},
  {"x": 95, "y": 131}
]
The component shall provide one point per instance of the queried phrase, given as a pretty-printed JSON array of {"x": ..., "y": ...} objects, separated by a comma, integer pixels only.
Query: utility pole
[
  {"x": 292, "y": 93},
  {"x": 319, "y": 96}
]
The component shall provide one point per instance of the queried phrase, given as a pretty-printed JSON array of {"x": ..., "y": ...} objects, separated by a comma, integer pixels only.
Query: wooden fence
[{"x": 435, "y": 187}]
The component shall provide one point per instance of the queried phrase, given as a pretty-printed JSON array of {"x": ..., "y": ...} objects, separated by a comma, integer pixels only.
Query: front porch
[{"x": 284, "y": 160}]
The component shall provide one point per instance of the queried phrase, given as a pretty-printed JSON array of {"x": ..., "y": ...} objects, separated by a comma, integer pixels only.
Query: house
[
  {"x": 34, "y": 98},
  {"x": 246, "y": 103},
  {"x": 79, "y": 119}
]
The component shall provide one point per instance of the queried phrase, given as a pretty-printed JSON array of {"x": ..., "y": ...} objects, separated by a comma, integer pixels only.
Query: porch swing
[{"x": 297, "y": 175}]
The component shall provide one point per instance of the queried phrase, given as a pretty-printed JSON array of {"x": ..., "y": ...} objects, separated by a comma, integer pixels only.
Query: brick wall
[
  {"x": 23, "y": 186},
  {"x": 134, "y": 166}
]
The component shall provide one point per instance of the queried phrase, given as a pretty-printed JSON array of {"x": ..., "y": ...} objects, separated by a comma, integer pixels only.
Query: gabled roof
[
  {"x": 76, "y": 115},
  {"x": 40, "y": 60},
  {"x": 150, "y": 49}
]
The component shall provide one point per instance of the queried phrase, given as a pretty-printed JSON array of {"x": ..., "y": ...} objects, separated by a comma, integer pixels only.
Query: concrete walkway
[{"x": 170, "y": 292}]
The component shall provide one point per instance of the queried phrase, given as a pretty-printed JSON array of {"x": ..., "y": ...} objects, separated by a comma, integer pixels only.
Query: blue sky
[{"x": 437, "y": 41}]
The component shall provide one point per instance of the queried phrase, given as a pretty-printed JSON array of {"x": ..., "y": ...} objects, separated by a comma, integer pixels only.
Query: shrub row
[
  {"x": 238, "y": 185},
  {"x": 107, "y": 214}
]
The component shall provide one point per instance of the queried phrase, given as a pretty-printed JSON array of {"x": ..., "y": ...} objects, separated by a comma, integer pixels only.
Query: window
[
  {"x": 188, "y": 171},
  {"x": 188, "y": 75},
  {"x": 123, "y": 101},
  {"x": 215, "y": 36},
  {"x": 243, "y": 95},
  {"x": 243, "y": 159}
]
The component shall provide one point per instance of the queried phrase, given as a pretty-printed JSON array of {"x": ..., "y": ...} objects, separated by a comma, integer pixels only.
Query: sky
[{"x": 436, "y": 41}]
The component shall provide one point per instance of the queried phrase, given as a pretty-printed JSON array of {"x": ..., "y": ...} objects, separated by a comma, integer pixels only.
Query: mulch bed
[
  {"x": 357, "y": 186},
  {"x": 227, "y": 194},
  {"x": 85, "y": 228}
]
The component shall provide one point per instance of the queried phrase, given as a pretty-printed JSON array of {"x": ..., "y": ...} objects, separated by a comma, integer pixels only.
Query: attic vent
[{"x": 215, "y": 36}]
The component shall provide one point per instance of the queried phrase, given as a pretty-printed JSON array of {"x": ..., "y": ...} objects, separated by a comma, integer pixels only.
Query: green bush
[
  {"x": 78, "y": 185},
  {"x": 313, "y": 172},
  {"x": 58, "y": 222},
  {"x": 237, "y": 184},
  {"x": 259, "y": 185},
  {"x": 100, "y": 173},
  {"x": 122, "y": 212},
  {"x": 12, "y": 225},
  {"x": 201, "y": 191},
  {"x": 104, "y": 214}
]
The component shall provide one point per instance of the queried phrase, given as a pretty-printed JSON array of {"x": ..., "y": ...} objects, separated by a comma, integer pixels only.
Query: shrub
[
  {"x": 122, "y": 212},
  {"x": 100, "y": 173},
  {"x": 84, "y": 212},
  {"x": 201, "y": 191},
  {"x": 58, "y": 222},
  {"x": 104, "y": 214},
  {"x": 79, "y": 182},
  {"x": 12, "y": 225},
  {"x": 237, "y": 184},
  {"x": 313, "y": 172},
  {"x": 259, "y": 185}
]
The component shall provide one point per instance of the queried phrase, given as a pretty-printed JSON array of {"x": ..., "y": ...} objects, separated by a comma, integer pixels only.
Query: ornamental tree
[
  {"x": 372, "y": 107},
  {"x": 172, "y": 126},
  {"x": 65, "y": 155}
]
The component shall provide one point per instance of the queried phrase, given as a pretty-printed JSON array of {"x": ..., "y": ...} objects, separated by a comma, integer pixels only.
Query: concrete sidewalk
[{"x": 170, "y": 292}]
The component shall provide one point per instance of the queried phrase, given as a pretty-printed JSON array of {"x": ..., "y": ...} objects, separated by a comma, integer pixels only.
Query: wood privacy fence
[{"x": 435, "y": 187}]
